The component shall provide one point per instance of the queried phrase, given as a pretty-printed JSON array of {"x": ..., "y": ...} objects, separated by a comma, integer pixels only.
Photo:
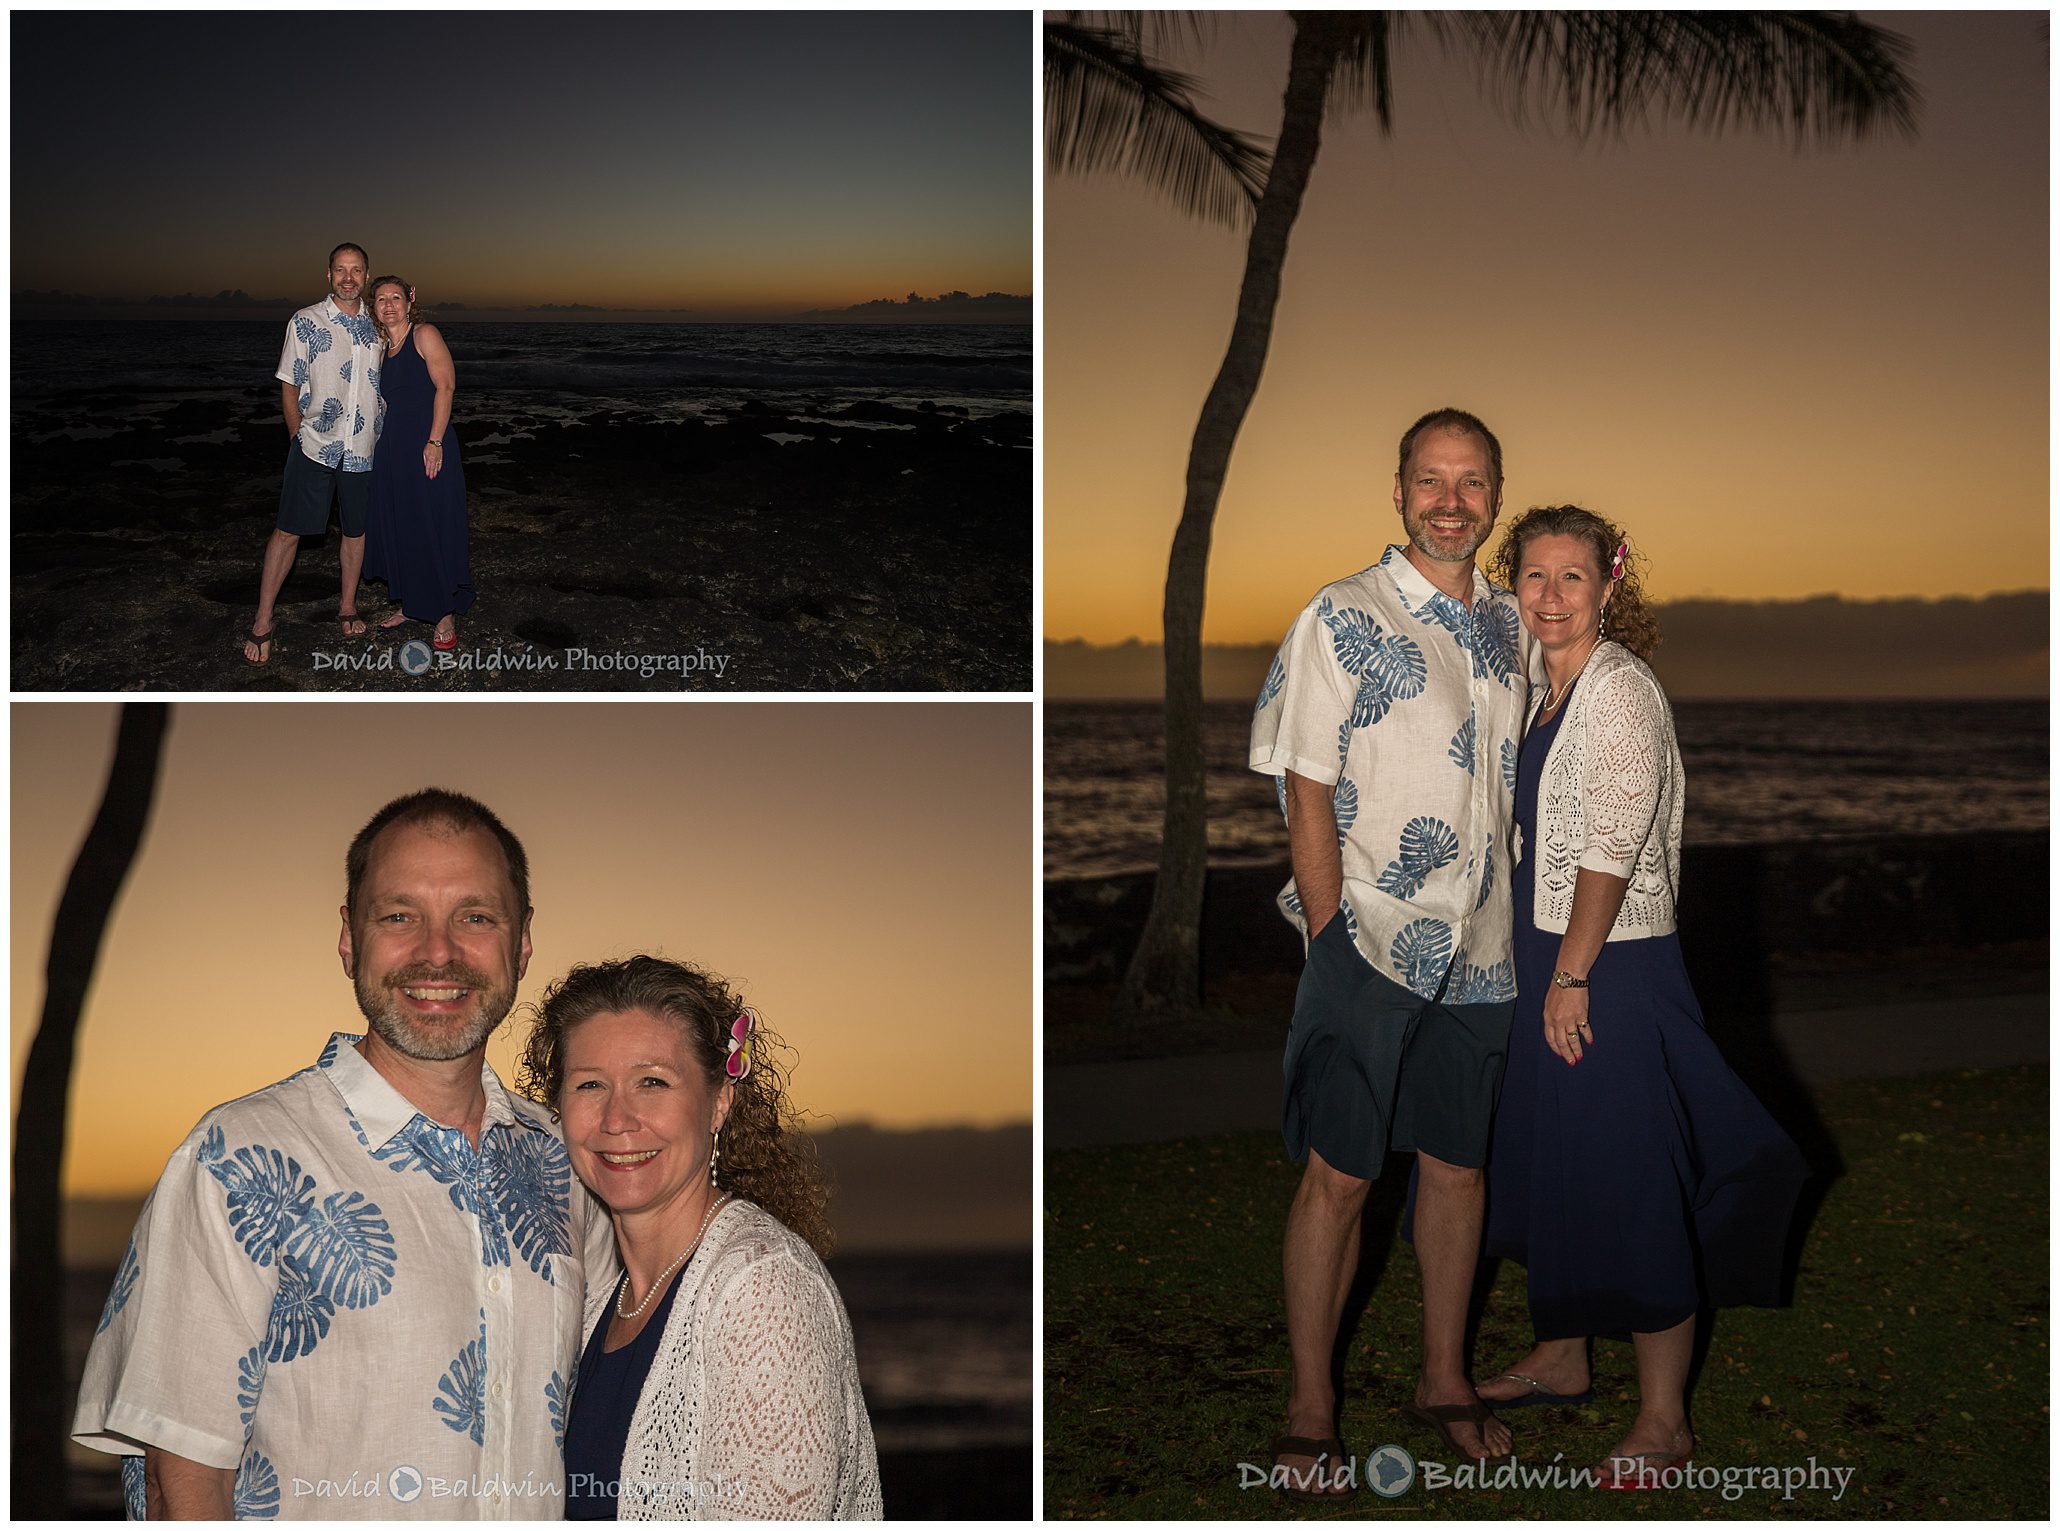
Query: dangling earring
[{"x": 714, "y": 1153}]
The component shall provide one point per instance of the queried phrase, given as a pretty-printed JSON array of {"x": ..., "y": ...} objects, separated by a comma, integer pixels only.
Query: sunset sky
[
  {"x": 862, "y": 872},
  {"x": 1787, "y": 374},
  {"x": 736, "y": 165}
]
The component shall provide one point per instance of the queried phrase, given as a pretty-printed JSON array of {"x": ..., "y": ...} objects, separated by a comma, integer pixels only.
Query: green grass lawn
[{"x": 1915, "y": 1353}]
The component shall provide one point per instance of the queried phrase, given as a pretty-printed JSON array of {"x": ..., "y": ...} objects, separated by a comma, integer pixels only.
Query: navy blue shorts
[
  {"x": 1373, "y": 1069},
  {"x": 308, "y": 489}
]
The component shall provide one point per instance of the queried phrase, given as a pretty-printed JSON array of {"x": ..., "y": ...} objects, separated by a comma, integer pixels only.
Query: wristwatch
[{"x": 1562, "y": 979}]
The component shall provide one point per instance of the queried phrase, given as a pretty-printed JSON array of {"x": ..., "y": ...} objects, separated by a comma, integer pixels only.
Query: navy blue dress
[
  {"x": 604, "y": 1400},
  {"x": 415, "y": 539},
  {"x": 1645, "y": 1182}
]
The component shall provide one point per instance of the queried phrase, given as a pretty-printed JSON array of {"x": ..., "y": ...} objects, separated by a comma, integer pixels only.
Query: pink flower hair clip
[
  {"x": 1616, "y": 564},
  {"x": 738, "y": 1064}
]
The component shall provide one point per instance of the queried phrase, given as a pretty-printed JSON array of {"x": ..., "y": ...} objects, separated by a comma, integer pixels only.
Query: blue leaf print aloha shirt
[
  {"x": 333, "y": 357},
  {"x": 1394, "y": 693},
  {"x": 352, "y": 1307}
]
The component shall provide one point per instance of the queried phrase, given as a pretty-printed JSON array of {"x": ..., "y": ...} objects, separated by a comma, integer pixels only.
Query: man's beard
[
  {"x": 1426, "y": 542},
  {"x": 432, "y": 1040}
]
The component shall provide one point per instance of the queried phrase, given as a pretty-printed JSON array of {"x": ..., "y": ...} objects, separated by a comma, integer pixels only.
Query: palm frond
[
  {"x": 1364, "y": 41},
  {"x": 1107, "y": 107},
  {"x": 1154, "y": 33},
  {"x": 1814, "y": 77}
]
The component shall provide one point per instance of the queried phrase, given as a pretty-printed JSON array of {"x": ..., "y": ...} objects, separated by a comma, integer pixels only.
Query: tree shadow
[{"x": 1729, "y": 949}]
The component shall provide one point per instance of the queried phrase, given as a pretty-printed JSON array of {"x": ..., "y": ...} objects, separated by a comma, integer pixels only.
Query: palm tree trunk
[
  {"x": 39, "y": 1128},
  {"x": 1165, "y": 971}
]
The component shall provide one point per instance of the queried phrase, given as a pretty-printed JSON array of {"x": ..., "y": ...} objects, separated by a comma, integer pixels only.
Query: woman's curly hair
[
  {"x": 1629, "y": 620},
  {"x": 766, "y": 1156},
  {"x": 372, "y": 298}
]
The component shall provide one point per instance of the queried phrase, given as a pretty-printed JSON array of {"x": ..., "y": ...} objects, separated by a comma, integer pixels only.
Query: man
[
  {"x": 1391, "y": 717},
  {"x": 357, "y": 1292},
  {"x": 329, "y": 388}
]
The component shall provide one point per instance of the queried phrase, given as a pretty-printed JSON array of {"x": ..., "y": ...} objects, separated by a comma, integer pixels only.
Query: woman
[
  {"x": 416, "y": 532},
  {"x": 1631, "y": 1172},
  {"x": 719, "y": 1381}
]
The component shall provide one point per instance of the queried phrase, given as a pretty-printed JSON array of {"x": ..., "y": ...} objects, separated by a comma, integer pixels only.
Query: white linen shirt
[
  {"x": 350, "y": 1306},
  {"x": 1410, "y": 704},
  {"x": 333, "y": 357}
]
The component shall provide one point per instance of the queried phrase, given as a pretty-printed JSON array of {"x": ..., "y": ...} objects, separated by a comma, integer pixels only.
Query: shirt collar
[
  {"x": 1417, "y": 592},
  {"x": 380, "y": 1110}
]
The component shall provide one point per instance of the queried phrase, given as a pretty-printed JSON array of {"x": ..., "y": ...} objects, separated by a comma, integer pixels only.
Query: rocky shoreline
[{"x": 865, "y": 547}]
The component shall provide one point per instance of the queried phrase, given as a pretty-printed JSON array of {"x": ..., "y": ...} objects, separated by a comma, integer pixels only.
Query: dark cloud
[{"x": 946, "y": 306}]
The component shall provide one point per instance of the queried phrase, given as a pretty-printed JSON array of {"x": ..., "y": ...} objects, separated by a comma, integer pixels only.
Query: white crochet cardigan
[
  {"x": 752, "y": 1410},
  {"x": 1610, "y": 798}
]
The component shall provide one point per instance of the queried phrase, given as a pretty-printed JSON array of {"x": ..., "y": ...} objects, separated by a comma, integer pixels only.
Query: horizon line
[
  {"x": 865, "y": 1124},
  {"x": 230, "y": 302},
  {"x": 1685, "y": 600}
]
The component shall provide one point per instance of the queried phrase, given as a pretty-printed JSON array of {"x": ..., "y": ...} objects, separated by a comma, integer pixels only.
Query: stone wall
[{"x": 1743, "y": 906}]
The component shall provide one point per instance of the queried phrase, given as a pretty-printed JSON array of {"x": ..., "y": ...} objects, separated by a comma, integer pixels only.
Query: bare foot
[
  {"x": 1556, "y": 1366},
  {"x": 353, "y": 626},
  {"x": 1643, "y": 1458},
  {"x": 1303, "y": 1476},
  {"x": 1652, "y": 1440},
  {"x": 447, "y": 633},
  {"x": 257, "y": 646},
  {"x": 398, "y": 619}
]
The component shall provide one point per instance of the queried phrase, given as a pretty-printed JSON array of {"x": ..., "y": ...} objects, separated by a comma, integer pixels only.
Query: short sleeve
[
  {"x": 1623, "y": 771},
  {"x": 1304, "y": 704},
  {"x": 774, "y": 1434},
  {"x": 179, "y": 1358},
  {"x": 294, "y": 351}
]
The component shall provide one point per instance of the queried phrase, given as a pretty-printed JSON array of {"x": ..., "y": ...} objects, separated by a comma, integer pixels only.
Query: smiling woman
[{"x": 737, "y": 1394}]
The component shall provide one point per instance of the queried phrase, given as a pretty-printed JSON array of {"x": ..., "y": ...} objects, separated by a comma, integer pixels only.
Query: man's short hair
[
  {"x": 1450, "y": 420},
  {"x": 347, "y": 245},
  {"x": 435, "y": 808}
]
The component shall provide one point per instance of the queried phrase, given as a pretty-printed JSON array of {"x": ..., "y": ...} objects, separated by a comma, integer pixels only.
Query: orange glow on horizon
[
  {"x": 863, "y": 873},
  {"x": 1772, "y": 368}
]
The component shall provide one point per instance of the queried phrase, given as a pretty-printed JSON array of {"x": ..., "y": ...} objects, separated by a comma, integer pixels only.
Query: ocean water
[
  {"x": 137, "y": 369},
  {"x": 944, "y": 1346},
  {"x": 1757, "y": 772}
]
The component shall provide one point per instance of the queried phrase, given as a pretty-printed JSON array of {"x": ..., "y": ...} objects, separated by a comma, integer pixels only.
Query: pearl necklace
[{"x": 665, "y": 1275}]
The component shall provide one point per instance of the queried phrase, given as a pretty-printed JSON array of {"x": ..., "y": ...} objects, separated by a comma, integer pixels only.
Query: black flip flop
[
  {"x": 1537, "y": 1394},
  {"x": 1441, "y": 1417}
]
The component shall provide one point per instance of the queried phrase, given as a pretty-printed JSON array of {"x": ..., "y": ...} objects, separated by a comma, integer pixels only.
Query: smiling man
[
  {"x": 329, "y": 390},
  {"x": 357, "y": 1293},
  {"x": 1390, "y": 718}
]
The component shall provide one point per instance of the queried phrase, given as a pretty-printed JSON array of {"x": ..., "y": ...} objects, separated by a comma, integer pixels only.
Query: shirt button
[
  {"x": 493, "y": 1499},
  {"x": 493, "y": 1283},
  {"x": 497, "y": 1390}
]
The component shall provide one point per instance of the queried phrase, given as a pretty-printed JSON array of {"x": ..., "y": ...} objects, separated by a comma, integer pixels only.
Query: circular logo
[
  {"x": 1389, "y": 1471},
  {"x": 415, "y": 657},
  {"x": 405, "y": 1484}
]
